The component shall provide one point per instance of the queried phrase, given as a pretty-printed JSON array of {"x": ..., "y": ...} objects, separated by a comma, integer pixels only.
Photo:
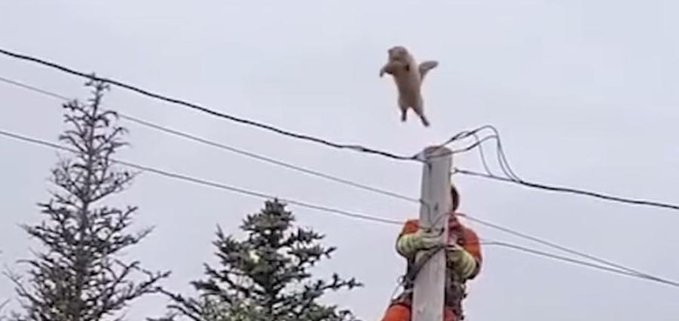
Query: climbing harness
[{"x": 455, "y": 289}]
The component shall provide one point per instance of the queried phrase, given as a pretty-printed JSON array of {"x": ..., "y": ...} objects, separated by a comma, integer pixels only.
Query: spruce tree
[
  {"x": 266, "y": 276},
  {"x": 80, "y": 275},
  {"x": 2, "y": 308}
]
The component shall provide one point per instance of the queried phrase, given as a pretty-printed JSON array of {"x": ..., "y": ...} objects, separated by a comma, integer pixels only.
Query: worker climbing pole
[{"x": 441, "y": 254}]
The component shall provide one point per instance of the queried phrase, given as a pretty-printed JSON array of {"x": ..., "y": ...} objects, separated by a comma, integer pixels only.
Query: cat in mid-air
[{"x": 408, "y": 76}]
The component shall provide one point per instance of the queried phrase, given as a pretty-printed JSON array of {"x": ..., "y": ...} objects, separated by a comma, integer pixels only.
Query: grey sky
[{"x": 583, "y": 92}]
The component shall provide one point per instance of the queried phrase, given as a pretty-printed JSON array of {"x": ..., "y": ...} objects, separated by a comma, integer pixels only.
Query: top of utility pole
[{"x": 428, "y": 295}]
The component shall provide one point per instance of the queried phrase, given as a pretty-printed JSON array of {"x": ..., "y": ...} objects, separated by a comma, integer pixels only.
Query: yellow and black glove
[
  {"x": 461, "y": 261},
  {"x": 409, "y": 244}
]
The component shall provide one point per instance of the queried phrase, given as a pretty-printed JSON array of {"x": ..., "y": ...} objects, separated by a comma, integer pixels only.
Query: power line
[
  {"x": 578, "y": 262},
  {"x": 222, "y": 146},
  {"x": 459, "y": 136},
  {"x": 271, "y": 160},
  {"x": 209, "y": 111},
  {"x": 568, "y": 190},
  {"x": 336, "y": 145},
  {"x": 567, "y": 250},
  {"x": 501, "y": 157},
  {"x": 211, "y": 184},
  {"x": 513, "y": 178},
  {"x": 463, "y": 135},
  {"x": 557, "y": 257},
  {"x": 34, "y": 89},
  {"x": 340, "y": 212}
]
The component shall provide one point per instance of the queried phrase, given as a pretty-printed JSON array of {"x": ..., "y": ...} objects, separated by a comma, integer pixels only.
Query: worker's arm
[{"x": 467, "y": 259}]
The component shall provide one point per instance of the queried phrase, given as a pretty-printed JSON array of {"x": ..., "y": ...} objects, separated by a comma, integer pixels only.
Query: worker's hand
[
  {"x": 421, "y": 240},
  {"x": 428, "y": 239},
  {"x": 463, "y": 263}
]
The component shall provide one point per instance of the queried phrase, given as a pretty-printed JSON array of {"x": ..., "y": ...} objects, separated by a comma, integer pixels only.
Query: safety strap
[
  {"x": 415, "y": 267},
  {"x": 454, "y": 289}
]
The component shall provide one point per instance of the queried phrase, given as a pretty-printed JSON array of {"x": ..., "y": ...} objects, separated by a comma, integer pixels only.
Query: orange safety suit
[{"x": 400, "y": 308}]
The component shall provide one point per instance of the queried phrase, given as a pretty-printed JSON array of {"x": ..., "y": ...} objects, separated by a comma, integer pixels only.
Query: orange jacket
[{"x": 466, "y": 238}]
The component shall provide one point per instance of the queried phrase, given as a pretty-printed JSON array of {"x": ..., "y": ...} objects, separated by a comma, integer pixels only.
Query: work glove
[
  {"x": 461, "y": 261},
  {"x": 409, "y": 244}
]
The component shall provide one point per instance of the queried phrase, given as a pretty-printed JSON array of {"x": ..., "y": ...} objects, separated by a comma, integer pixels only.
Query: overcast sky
[{"x": 584, "y": 93}]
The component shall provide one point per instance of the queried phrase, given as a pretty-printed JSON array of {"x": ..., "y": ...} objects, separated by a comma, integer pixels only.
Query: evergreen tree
[
  {"x": 266, "y": 276},
  {"x": 2, "y": 307},
  {"x": 80, "y": 275}
]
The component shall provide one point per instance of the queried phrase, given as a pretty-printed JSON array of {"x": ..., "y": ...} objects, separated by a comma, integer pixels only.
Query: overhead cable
[
  {"x": 207, "y": 110},
  {"x": 211, "y": 184},
  {"x": 322, "y": 141},
  {"x": 568, "y": 190},
  {"x": 340, "y": 212},
  {"x": 578, "y": 262},
  {"x": 567, "y": 250},
  {"x": 512, "y": 177},
  {"x": 457, "y": 137},
  {"x": 223, "y": 146}
]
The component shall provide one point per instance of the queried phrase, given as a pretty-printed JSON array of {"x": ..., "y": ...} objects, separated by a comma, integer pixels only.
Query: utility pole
[{"x": 428, "y": 295}]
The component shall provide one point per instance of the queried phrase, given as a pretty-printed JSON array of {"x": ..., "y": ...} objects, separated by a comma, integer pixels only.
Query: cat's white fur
[{"x": 408, "y": 76}]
